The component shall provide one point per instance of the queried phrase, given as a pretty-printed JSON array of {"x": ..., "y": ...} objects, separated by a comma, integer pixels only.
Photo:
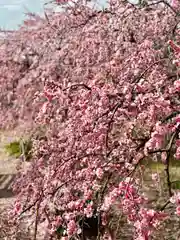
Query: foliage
[
  {"x": 107, "y": 96},
  {"x": 19, "y": 148},
  {"x": 13, "y": 149},
  {"x": 176, "y": 184}
]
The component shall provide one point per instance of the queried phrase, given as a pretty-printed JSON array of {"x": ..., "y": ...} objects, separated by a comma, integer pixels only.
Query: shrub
[{"x": 19, "y": 148}]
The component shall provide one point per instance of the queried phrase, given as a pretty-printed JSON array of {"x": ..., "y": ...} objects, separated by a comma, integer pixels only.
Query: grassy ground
[{"x": 157, "y": 192}]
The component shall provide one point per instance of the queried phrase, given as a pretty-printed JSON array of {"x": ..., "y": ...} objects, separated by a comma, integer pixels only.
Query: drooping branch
[
  {"x": 36, "y": 220},
  {"x": 29, "y": 207},
  {"x": 168, "y": 155},
  {"x": 166, "y": 3},
  {"x": 137, "y": 79}
]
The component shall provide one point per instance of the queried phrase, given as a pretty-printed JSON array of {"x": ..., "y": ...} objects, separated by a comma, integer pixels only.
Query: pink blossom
[
  {"x": 61, "y": 2},
  {"x": 111, "y": 98},
  {"x": 44, "y": 107},
  {"x": 177, "y": 155},
  {"x": 99, "y": 173},
  {"x": 58, "y": 221},
  {"x": 164, "y": 157},
  {"x": 71, "y": 228},
  {"x": 88, "y": 211},
  {"x": 177, "y": 119},
  {"x": 177, "y": 85},
  {"x": 174, "y": 3},
  {"x": 155, "y": 177},
  {"x": 172, "y": 44},
  {"x": 178, "y": 210}
]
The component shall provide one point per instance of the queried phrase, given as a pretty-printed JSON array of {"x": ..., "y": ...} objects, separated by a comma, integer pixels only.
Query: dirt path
[
  {"x": 7, "y": 169},
  {"x": 7, "y": 175}
]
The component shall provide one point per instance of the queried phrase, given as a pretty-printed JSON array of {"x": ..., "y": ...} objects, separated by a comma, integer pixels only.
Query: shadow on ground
[{"x": 5, "y": 185}]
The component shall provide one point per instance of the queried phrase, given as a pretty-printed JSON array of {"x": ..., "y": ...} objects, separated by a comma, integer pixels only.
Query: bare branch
[
  {"x": 75, "y": 86},
  {"x": 28, "y": 208},
  {"x": 36, "y": 221},
  {"x": 165, "y": 3},
  {"x": 109, "y": 124},
  {"x": 137, "y": 79}
]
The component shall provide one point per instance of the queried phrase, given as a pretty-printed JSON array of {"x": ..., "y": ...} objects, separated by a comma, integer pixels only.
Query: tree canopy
[{"x": 105, "y": 86}]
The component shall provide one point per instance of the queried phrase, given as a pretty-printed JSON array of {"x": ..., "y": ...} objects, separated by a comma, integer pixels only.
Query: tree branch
[
  {"x": 75, "y": 86},
  {"x": 36, "y": 220},
  {"x": 137, "y": 79},
  {"x": 109, "y": 125},
  {"x": 168, "y": 180},
  {"x": 165, "y": 3},
  {"x": 28, "y": 208},
  {"x": 168, "y": 151}
]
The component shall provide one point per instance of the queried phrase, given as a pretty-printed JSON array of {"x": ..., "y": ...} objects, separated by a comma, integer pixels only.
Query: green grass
[
  {"x": 19, "y": 148},
  {"x": 159, "y": 168}
]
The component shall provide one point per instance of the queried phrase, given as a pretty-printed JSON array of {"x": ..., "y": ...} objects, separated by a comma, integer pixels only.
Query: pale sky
[{"x": 12, "y": 11}]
